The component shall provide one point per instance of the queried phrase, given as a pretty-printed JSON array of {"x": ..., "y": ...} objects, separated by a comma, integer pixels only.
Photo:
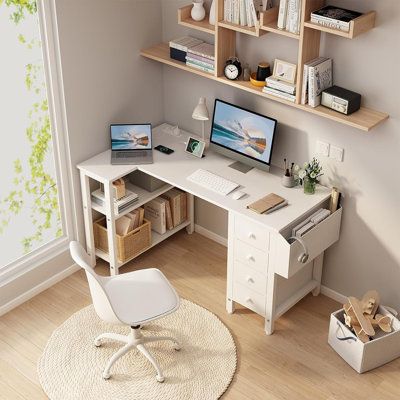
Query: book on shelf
[
  {"x": 319, "y": 79},
  {"x": 184, "y": 43},
  {"x": 279, "y": 93},
  {"x": 123, "y": 225},
  {"x": 236, "y": 12},
  {"x": 199, "y": 67},
  {"x": 253, "y": 14},
  {"x": 137, "y": 217},
  {"x": 275, "y": 83},
  {"x": 168, "y": 215},
  {"x": 120, "y": 205},
  {"x": 209, "y": 61},
  {"x": 289, "y": 15},
  {"x": 242, "y": 13},
  {"x": 178, "y": 203},
  {"x": 154, "y": 211},
  {"x": 200, "y": 63},
  {"x": 249, "y": 18},
  {"x": 304, "y": 88},
  {"x": 334, "y": 17},
  {"x": 205, "y": 50}
]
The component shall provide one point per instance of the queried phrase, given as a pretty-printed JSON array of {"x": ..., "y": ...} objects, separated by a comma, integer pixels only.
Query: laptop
[{"x": 131, "y": 144}]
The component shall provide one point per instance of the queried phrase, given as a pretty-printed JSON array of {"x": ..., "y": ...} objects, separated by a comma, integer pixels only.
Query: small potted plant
[{"x": 308, "y": 176}]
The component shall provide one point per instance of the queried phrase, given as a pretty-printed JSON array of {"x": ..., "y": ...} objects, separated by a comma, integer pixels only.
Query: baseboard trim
[
  {"x": 211, "y": 235},
  {"x": 38, "y": 289},
  {"x": 341, "y": 298}
]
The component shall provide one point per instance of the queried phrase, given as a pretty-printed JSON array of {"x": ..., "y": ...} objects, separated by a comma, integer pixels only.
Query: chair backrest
[{"x": 100, "y": 299}]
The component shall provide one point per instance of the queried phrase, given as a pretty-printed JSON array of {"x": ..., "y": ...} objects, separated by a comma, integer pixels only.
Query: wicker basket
[{"x": 128, "y": 246}]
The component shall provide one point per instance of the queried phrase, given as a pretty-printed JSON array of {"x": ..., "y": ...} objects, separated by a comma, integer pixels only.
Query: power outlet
[
  {"x": 323, "y": 148},
  {"x": 336, "y": 153}
]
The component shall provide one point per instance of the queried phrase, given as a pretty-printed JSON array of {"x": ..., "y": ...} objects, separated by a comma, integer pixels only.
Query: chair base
[{"x": 135, "y": 339}]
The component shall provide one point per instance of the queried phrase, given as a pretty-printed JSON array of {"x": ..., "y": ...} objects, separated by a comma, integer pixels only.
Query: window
[{"x": 31, "y": 213}]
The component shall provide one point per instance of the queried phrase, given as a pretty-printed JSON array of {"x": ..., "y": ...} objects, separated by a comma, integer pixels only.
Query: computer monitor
[{"x": 242, "y": 135}]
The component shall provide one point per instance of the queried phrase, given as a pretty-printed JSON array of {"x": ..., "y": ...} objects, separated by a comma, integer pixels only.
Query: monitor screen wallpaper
[{"x": 242, "y": 131}]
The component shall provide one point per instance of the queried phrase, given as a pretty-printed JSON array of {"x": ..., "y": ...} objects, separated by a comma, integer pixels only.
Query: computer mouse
[{"x": 238, "y": 195}]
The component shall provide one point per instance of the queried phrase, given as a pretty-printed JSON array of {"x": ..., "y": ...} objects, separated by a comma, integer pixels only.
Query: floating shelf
[
  {"x": 185, "y": 19},
  {"x": 253, "y": 31},
  {"x": 268, "y": 22},
  {"x": 358, "y": 26},
  {"x": 364, "y": 119}
]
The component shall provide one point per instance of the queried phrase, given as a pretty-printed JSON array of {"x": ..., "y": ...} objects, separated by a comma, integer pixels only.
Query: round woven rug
[{"x": 70, "y": 367}]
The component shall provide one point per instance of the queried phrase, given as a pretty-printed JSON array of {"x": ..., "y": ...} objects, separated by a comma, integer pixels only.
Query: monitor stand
[{"x": 241, "y": 167}]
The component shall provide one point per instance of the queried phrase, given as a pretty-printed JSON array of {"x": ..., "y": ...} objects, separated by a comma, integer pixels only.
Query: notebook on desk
[{"x": 268, "y": 203}]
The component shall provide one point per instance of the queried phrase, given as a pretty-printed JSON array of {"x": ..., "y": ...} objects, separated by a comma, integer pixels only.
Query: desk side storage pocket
[
  {"x": 129, "y": 245},
  {"x": 363, "y": 357},
  {"x": 285, "y": 255}
]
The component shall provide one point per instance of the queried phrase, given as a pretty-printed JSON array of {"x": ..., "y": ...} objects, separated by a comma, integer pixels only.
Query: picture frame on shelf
[{"x": 285, "y": 71}]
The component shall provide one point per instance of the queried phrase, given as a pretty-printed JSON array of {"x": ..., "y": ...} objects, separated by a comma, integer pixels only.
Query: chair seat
[{"x": 140, "y": 296}]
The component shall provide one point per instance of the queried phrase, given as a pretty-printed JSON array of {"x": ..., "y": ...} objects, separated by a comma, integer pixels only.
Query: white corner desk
[{"x": 263, "y": 271}]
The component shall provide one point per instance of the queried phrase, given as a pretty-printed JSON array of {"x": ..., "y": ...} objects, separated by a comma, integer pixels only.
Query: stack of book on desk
[
  {"x": 201, "y": 57},
  {"x": 120, "y": 205},
  {"x": 279, "y": 88},
  {"x": 334, "y": 17},
  {"x": 178, "y": 48}
]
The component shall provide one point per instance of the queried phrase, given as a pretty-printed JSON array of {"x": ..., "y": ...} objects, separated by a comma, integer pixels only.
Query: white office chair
[{"x": 133, "y": 299}]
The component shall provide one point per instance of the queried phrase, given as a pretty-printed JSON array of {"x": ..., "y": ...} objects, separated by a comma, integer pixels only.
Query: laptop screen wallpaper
[{"x": 131, "y": 137}]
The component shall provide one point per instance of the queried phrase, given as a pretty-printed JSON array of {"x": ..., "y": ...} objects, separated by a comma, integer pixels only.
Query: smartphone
[{"x": 163, "y": 149}]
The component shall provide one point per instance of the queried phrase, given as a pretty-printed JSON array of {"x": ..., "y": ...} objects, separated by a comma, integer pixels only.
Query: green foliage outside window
[{"x": 34, "y": 181}]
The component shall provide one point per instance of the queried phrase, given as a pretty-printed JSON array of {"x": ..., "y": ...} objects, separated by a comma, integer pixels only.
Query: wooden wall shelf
[
  {"x": 309, "y": 43},
  {"x": 269, "y": 21},
  {"x": 364, "y": 119},
  {"x": 185, "y": 19},
  {"x": 358, "y": 26}
]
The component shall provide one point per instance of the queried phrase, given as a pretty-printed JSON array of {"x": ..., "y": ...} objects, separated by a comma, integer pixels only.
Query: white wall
[
  {"x": 105, "y": 79},
  {"x": 368, "y": 253}
]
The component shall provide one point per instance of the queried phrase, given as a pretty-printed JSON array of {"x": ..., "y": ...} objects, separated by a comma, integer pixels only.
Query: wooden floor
[{"x": 294, "y": 363}]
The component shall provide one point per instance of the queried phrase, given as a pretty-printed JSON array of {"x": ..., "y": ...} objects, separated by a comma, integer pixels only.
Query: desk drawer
[
  {"x": 284, "y": 256},
  {"x": 249, "y": 277},
  {"x": 251, "y": 256},
  {"x": 249, "y": 298},
  {"x": 251, "y": 233}
]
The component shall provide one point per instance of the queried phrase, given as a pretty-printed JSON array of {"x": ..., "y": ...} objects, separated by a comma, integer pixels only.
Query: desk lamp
[{"x": 200, "y": 113}]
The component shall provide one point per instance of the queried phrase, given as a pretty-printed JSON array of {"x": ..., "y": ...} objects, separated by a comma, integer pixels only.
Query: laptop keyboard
[{"x": 128, "y": 154}]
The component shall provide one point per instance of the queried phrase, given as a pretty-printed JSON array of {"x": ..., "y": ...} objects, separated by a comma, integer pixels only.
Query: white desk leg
[
  {"x": 88, "y": 217},
  {"x": 111, "y": 232},
  {"x": 270, "y": 302},
  {"x": 190, "y": 210},
  {"x": 230, "y": 304},
  {"x": 317, "y": 272}
]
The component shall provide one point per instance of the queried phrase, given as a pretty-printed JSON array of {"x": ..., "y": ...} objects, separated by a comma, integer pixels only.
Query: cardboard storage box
[
  {"x": 145, "y": 181},
  {"x": 363, "y": 357}
]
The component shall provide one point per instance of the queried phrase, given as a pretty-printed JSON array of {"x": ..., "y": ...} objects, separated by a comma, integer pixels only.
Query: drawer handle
[
  {"x": 249, "y": 300},
  {"x": 250, "y": 258},
  {"x": 251, "y": 235},
  {"x": 249, "y": 279}
]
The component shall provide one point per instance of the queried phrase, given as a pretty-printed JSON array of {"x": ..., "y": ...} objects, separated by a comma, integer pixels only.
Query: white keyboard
[{"x": 212, "y": 182}]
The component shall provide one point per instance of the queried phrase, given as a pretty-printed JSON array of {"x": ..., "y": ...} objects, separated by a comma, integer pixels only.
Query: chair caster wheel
[
  {"x": 97, "y": 343},
  {"x": 106, "y": 376},
  {"x": 160, "y": 379},
  {"x": 177, "y": 347}
]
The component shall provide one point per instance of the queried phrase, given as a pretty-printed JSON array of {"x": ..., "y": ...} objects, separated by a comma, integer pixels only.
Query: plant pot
[
  {"x": 288, "y": 181},
  {"x": 309, "y": 186},
  {"x": 198, "y": 12}
]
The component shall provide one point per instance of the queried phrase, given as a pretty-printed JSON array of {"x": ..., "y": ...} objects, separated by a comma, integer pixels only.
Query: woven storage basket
[{"x": 128, "y": 246}]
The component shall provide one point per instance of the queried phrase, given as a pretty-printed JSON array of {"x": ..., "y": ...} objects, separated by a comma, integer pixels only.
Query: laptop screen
[{"x": 131, "y": 137}]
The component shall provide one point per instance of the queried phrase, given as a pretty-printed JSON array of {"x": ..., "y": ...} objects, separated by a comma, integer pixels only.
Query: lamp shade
[{"x": 200, "y": 113}]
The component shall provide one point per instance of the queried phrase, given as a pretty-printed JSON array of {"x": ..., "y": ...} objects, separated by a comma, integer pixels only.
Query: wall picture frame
[
  {"x": 195, "y": 147},
  {"x": 285, "y": 71}
]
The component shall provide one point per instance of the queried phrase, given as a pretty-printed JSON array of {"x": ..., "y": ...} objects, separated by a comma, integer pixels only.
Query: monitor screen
[
  {"x": 131, "y": 137},
  {"x": 243, "y": 132}
]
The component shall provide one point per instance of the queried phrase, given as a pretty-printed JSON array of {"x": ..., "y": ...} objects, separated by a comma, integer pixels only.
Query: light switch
[
  {"x": 323, "y": 148},
  {"x": 336, "y": 153}
]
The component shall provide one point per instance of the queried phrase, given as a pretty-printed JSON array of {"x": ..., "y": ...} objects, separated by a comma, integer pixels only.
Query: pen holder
[{"x": 288, "y": 181}]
